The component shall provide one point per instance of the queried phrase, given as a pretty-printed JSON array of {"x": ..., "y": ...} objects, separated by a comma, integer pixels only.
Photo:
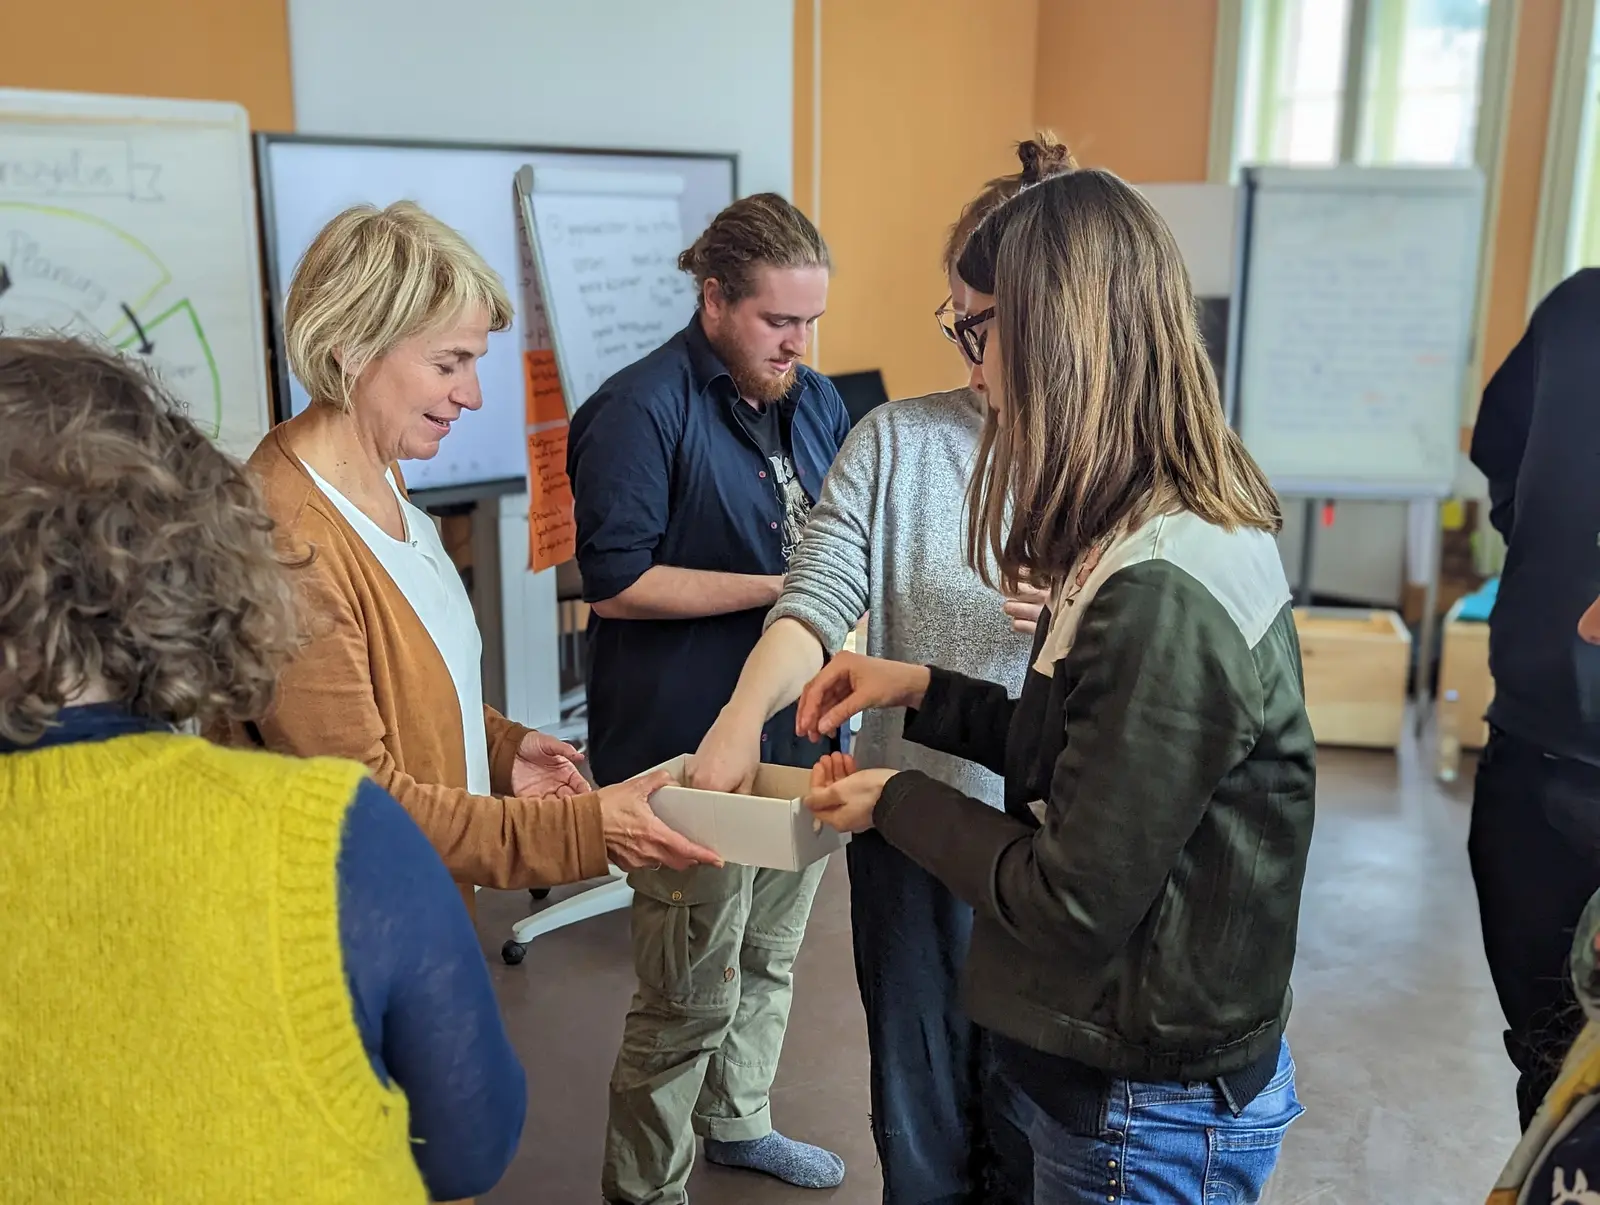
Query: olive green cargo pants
[{"x": 714, "y": 951}]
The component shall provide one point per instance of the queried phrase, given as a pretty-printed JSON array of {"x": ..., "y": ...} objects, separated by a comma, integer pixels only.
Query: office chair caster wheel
[
  {"x": 513, "y": 952},
  {"x": 539, "y": 893}
]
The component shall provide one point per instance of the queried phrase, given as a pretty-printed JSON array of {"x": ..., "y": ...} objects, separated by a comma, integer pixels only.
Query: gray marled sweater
[{"x": 887, "y": 538}]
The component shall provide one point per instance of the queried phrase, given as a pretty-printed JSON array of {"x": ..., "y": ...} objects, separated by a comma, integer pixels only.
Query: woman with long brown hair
[{"x": 1137, "y": 902}]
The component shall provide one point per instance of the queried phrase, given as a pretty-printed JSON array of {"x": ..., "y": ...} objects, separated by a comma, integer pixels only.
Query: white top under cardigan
[{"x": 424, "y": 573}]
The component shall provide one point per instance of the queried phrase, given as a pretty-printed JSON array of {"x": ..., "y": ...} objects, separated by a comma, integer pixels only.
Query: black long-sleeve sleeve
[
  {"x": 1500, "y": 434},
  {"x": 963, "y": 717}
]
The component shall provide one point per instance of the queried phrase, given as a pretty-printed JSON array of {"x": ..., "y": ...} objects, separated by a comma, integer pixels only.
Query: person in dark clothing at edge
[
  {"x": 1558, "y": 1160},
  {"x": 1534, "y": 842},
  {"x": 1137, "y": 902},
  {"x": 693, "y": 472}
]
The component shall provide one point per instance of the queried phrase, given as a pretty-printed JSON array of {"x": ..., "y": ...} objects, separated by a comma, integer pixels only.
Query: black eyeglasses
[
  {"x": 968, "y": 335},
  {"x": 945, "y": 316}
]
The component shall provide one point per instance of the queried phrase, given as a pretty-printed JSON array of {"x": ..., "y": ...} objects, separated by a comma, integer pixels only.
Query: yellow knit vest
[{"x": 175, "y": 1025}]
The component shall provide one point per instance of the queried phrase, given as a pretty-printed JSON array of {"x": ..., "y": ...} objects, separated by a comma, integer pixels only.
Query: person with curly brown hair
[{"x": 229, "y": 975}]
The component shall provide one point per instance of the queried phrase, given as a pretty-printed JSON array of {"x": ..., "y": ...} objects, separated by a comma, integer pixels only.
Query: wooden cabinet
[{"x": 1356, "y": 666}]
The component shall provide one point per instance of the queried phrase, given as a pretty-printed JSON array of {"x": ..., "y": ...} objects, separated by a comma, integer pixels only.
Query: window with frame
[
  {"x": 1414, "y": 67},
  {"x": 1583, "y": 231},
  {"x": 1567, "y": 236}
]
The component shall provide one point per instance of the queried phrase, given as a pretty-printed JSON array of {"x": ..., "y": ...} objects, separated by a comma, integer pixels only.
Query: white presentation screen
[{"x": 306, "y": 181}]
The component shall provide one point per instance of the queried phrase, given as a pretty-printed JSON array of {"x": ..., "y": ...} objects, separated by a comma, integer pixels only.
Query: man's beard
[{"x": 749, "y": 376}]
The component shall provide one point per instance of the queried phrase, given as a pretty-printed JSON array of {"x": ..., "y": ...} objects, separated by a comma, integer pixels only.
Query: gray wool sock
[{"x": 783, "y": 1158}]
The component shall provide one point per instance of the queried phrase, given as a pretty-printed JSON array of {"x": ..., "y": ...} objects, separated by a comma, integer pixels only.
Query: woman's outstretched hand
[
  {"x": 636, "y": 838},
  {"x": 830, "y": 769},
  {"x": 546, "y": 766},
  {"x": 843, "y": 797},
  {"x": 851, "y": 683}
]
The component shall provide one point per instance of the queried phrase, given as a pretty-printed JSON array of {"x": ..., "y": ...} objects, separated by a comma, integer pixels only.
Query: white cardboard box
[{"x": 770, "y": 827}]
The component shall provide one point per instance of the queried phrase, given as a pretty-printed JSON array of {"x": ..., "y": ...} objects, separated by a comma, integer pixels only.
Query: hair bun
[{"x": 1043, "y": 156}]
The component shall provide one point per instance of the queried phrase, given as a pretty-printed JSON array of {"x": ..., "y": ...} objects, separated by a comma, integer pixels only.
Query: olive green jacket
[{"x": 1137, "y": 902}]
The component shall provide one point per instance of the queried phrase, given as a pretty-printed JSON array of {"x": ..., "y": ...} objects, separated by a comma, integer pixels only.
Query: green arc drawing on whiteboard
[{"x": 68, "y": 271}]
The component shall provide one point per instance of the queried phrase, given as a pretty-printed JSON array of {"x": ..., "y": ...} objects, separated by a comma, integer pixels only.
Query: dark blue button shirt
[{"x": 663, "y": 473}]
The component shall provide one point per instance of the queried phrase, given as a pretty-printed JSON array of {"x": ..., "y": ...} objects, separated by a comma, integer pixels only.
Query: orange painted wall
[
  {"x": 235, "y": 50},
  {"x": 922, "y": 101},
  {"x": 1511, "y": 262},
  {"x": 1127, "y": 85}
]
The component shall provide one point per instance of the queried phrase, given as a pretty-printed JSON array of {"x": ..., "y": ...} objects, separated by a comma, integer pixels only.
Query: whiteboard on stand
[
  {"x": 1355, "y": 331},
  {"x": 606, "y": 246},
  {"x": 132, "y": 222}
]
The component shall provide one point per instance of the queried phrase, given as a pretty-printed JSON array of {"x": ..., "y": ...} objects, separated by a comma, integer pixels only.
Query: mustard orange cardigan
[{"x": 370, "y": 685}]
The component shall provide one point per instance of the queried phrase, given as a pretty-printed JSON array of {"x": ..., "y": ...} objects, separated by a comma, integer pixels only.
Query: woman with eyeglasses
[
  {"x": 1137, "y": 900},
  {"x": 886, "y": 540}
]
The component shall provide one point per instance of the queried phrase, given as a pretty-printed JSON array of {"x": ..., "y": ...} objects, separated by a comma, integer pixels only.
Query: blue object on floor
[{"x": 1475, "y": 608}]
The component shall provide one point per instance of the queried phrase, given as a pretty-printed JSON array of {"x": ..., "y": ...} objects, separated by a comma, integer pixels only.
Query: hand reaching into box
[{"x": 728, "y": 757}]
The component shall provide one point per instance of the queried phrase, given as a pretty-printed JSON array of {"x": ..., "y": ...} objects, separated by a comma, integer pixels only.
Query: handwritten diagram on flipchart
[{"x": 133, "y": 223}]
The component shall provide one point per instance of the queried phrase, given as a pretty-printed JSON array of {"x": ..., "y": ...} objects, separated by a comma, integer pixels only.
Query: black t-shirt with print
[
  {"x": 770, "y": 433},
  {"x": 1569, "y": 1173}
]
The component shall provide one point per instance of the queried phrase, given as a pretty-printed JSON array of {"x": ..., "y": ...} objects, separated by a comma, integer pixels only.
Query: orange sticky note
[{"x": 552, "y": 533}]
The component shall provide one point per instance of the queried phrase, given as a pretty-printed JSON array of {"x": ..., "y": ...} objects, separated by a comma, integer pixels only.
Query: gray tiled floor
[{"x": 1396, "y": 1030}]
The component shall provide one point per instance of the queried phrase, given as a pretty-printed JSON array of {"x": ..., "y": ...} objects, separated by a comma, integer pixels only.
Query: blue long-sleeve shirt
[
  {"x": 423, "y": 1001},
  {"x": 421, "y": 994}
]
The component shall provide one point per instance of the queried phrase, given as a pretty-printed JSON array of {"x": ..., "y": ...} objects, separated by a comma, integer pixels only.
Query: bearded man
[{"x": 693, "y": 471}]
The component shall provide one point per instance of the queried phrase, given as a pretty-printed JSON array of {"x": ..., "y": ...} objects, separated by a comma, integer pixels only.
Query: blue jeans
[
  {"x": 942, "y": 1114},
  {"x": 1164, "y": 1143}
]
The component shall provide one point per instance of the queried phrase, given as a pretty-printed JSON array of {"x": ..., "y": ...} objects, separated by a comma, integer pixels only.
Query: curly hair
[{"x": 133, "y": 553}]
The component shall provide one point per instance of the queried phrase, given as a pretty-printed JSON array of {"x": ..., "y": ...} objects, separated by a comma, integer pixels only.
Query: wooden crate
[
  {"x": 1465, "y": 689},
  {"x": 1356, "y": 664}
]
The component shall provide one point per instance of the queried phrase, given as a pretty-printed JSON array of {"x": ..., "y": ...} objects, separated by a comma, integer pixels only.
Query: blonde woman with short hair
[
  {"x": 387, "y": 317},
  {"x": 1137, "y": 901}
]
